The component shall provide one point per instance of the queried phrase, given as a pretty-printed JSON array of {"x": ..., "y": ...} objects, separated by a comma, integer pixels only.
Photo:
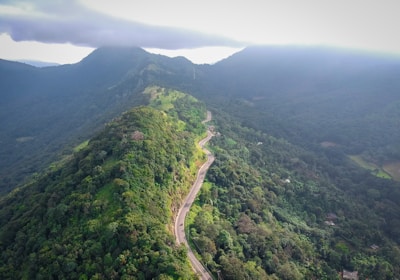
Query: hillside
[
  {"x": 272, "y": 210},
  {"x": 312, "y": 95},
  {"x": 107, "y": 212},
  {"x": 286, "y": 199},
  {"x": 43, "y": 111},
  {"x": 306, "y": 95}
]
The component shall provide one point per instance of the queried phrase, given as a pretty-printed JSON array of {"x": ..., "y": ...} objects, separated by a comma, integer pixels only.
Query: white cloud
[
  {"x": 208, "y": 55},
  {"x": 69, "y": 22},
  {"x": 208, "y": 25},
  {"x": 364, "y": 24},
  {"x": 59, "y": 53}
]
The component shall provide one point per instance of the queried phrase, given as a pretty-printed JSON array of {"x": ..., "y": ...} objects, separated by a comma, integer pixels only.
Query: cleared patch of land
[
  {"x": 393, "y": 168},
  {"x": 24, "y": 139},
  {"x": 327, "y": 144},
  {"x": 375, "y": 169},
  {"x": 161, "y": 98}
]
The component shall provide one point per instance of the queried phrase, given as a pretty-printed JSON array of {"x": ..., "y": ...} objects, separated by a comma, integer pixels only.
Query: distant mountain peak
[
  {"x": 38, "y": 63},
  {"x": 115, "y": 52}
]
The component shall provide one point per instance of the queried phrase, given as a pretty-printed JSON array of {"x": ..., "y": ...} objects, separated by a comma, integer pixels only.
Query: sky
[{"x": 65, "y": 31}]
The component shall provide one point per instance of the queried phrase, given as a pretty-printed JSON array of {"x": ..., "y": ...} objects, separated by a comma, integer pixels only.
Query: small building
[
  {"x": 329, "y": 223},
  {"x": 349, "y": 275},
  {"x": 374, "y": 247}
]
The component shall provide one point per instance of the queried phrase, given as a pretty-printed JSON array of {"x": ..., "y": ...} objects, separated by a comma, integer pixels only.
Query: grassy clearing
[
  {"x": 375, "y": 169},
  {"x": 162, "y": 99},
  {"x": 81, "y": 146}
]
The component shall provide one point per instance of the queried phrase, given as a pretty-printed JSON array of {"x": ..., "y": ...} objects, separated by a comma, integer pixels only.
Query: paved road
[{"x": 187, "y": 203}]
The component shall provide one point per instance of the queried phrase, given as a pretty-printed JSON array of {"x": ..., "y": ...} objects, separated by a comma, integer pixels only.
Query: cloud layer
[{"x": 62, "y": 21}]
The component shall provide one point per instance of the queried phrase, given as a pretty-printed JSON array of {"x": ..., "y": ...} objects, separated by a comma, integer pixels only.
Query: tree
[{"x": 289, "y": 271}]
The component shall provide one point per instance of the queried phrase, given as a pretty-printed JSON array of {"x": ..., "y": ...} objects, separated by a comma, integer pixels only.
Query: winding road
[{"x": 187, "y": 203}]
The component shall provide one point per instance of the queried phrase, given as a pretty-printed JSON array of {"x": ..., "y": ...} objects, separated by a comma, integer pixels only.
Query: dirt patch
[
  {"x": 327, "y": 144},
  {"x": 24, "y": 139},
  {"x": 393, "y": 168}
]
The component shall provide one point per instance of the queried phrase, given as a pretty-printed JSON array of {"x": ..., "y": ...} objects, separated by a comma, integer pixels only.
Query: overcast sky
[{"x": 65, "y": 31}]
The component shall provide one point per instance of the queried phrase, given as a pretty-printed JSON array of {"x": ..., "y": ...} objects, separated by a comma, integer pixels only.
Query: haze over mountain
[
  {"x": 37, "y": 63},
  {"x": 345, "y": 96},
  {"x": 43, "y": 109},
  {"x": 294, "y": 89},
  {"x": 308, "y": 138}
]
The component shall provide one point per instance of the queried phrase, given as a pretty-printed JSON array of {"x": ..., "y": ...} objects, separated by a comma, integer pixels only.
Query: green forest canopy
[{"x": 107, "y": 211}]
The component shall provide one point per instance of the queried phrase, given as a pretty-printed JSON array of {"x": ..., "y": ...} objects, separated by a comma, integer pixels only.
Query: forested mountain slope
[
  {"x": 107, "y": 211},
  {"x": 312, "y": 95},
  {"x": 306, "y": 95},
  {"x": 45, "y": 110},
  {"x": 273, "y": 210}
]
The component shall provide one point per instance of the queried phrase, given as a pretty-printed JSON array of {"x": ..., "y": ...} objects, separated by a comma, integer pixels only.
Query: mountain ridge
[
  {"x": 107, "y": 209},
  {"x": 39, "y": 103}
]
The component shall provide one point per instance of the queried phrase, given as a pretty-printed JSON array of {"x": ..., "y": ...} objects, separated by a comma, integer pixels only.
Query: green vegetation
[
  {"x": 271, "y": 210},
  {"x": 283, "y": 200},
  {"x": 81, "y": 146},
  {"x": 375, "y": 170},
  {"x": 107, "y": 212},
  {"x": 162, "y": 98},
  {"x": 388, "y": 170},
  {"x": 310, "y": 96},
  {"x": 45, "y": 112}
]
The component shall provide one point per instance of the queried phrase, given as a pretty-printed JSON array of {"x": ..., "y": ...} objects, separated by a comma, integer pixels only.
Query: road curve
[{"x": 187, "y": 203}]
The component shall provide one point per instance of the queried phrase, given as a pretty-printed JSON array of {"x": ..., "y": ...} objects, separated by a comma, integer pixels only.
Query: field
[{"x": 375, "y": 169}]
